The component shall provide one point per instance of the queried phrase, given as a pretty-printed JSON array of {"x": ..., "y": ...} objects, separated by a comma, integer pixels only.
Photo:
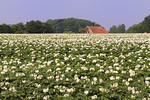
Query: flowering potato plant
[{"x": 75, "y": 67}]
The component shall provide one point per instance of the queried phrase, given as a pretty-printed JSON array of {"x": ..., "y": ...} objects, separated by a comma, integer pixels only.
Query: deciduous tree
[{"x": 18, "y": 28}]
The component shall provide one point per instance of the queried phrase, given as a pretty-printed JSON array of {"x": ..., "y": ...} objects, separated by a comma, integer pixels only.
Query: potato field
[{"x": 75, "y": 67}]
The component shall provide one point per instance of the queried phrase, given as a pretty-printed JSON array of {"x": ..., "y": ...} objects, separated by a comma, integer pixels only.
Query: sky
[{"x": 104, "y": 12}]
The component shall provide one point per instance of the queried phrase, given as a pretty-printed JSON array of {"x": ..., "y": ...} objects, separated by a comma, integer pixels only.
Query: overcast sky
[{"x": 103, "y": 12}]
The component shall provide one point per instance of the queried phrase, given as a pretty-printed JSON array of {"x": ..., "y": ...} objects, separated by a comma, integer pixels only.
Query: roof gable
[{"x": 97, "y": 29}]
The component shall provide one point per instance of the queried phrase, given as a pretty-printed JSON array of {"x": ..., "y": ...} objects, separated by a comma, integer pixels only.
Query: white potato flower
[
  {"x": 102, "y": 89},
  {"x": 12, "y": 89},
  {"x": 112, "y": 78},
  {"x": 84, "y": 68},
  {"x": 86, "y": 92},
  {"x": 4, "y": 88},
  {"x": 110, "y": 67},
  {"x": 132, "y": 73},
  {"x": 23, "y": 81},
  {"x": 101, "y": 70},
  {"x": 66, "y": 58},
  {"x": 61, "y": 90},
  {"x": 147, "y": 83},
  {"x": 45, "y": 90},
  {"x": 117, "y": 68},
  {"x": 46, "y": 97},
  {"x": 147, "y": 78},
  {"x": 37, "y": 85},
  {"x": 71, "y": 90},
  {"x": 123, "y": 72},
  {"x": 116, "y": 64},
  {"x": 94, "y": 61},
  {"x": 95, "y": 78},
  {"x": 127, "y": 83},
  {"x": 66, "y": 95},
  {"x": 92, "y": 69},
  {"x": 36, "y": 71},
  {"x": 117, "y": 77},
  {"x": 58, "y": 69},
  {"x": 98, "y": 65},
  {"x": 114, "y": 85},
  {"x": 7, "y": 83},
  {"x": 130, "y": 88},
  {"x": 94, "y": 97},
  {"x": 39, "y": 76},
  {"x": 107, "y": 71},
  {"x": 2, "y": 72},
  {"x": 100, "y": 80},
  {"x": 130, "y": 79}
]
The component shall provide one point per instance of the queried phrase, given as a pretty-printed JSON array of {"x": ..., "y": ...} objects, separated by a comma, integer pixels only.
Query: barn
[{"x": 96, "y": 29}]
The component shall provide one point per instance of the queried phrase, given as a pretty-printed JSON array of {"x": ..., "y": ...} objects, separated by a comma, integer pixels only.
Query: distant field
[{"x": 75, "y": 66}]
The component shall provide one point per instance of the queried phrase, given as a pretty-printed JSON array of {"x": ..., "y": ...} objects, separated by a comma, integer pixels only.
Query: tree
[
  {"x": 38, "y": 27},
  {"x": 121, "y": 28},
  {"x": 142, "y": 27},
  {"x": 134, "y": 29},
  {"x": 47, "y": 28},
  {"x": 97, "y": 25},
  {"x": 18, "y": 28},
  {"x": 1, "y": 29},
  {"x": 113, "y": 29},
  {"x": 145, "y": 27},
  {"x": 73, "y": 25},
  {"x": 82, "y": 30},
  {"x": 4, "y": 28},
  {"x": 34, "y": 27}
]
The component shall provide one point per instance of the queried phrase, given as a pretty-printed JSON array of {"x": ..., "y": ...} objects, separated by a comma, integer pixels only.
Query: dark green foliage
[
  {"x": 146, "y": 24},
  {"x": 34, "y": 27},
  {"x": 142, "y": 27},
  {"x": 82, "y": 30},
  {"x": 70, "y": 25},
  {"x": 47, "y": 28},
  {"x": 119, "y": 29},
  {"x": 5, "y": 28},
  {"x": 38, "y": 27},
  {"x": 134, "y": 29},
  {"x": 113, "y": 29},
  {"x": 18, "y": 28}
]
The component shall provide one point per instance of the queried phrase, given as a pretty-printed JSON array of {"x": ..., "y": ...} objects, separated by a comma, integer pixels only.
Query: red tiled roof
[{"x": 96, "y": 29}]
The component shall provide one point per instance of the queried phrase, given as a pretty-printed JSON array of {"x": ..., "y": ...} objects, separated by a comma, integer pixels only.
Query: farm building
[{"x": 96, "y": 29}]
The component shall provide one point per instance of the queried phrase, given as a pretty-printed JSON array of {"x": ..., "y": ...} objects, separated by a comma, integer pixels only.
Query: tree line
[
  {"x": 142, "y": 27},
  {"x": 29, "y": 27},
  {"x": 70, "y": 25}
]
